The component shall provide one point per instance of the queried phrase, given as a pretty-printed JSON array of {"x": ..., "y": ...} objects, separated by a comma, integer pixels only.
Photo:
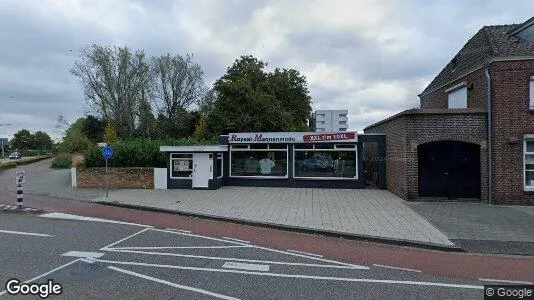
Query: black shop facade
[{"x": 269, "y": 159}]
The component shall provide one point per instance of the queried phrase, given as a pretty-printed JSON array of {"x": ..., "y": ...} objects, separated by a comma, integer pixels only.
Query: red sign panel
[{"x": 329, "y": 137}]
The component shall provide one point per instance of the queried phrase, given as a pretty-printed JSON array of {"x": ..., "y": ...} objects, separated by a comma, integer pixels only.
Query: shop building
[
  {"x": 276, "y": 159},
  {"x": 473, "y": 135}
]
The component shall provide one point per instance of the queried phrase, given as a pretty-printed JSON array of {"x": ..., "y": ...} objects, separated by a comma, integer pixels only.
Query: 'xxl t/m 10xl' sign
[{"x": 291, "y": 137}]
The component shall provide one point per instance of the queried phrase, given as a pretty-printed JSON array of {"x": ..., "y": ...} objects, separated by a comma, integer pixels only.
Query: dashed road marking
[
  {"x": 397, "y": 268},
  {"x": 505, "y": 281},
  {"x": 82, "y": 254},
  {"x": 179, "y": 230},
  {"x": 305, "y": 253},
  {"x": 183, "y": 287},
  {"x": 235, "y": 240},
  {"x": 185, "y": 247},
  {"x": 243, "y": 266},
  {"x": 56, "y": 215},
  {"x": 25, "y": 233}
]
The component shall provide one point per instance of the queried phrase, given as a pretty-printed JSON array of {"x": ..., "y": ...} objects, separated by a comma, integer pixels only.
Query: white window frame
[
  {"x": 247, "y": 149},
  {"x": 527, "y": 138},
  {"x": 179, "y": 158},
  {"x": 531, "y": 93},
  {"x": 335, "y": 149},
  {"x": 220, "y": 157}
]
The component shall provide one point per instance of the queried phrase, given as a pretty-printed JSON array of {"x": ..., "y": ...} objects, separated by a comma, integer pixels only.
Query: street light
[{"x": 2, "y": 140}]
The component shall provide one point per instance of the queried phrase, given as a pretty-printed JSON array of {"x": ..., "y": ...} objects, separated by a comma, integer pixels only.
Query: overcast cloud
[{"x": 370, "y": 57}]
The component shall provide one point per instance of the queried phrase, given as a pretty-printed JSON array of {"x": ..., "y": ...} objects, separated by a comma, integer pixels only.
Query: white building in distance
[{"x": 329, "y": 120}]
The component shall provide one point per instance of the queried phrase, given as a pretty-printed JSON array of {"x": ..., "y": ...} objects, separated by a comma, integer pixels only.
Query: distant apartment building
[{"x": 329, "y": 120}]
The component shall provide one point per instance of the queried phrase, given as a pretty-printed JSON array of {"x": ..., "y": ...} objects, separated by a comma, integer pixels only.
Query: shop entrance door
[{"x": 202, "y": 169}]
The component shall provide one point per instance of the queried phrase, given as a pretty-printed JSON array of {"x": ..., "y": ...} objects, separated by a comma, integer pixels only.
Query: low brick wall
[{"x": 119, "y": 178}]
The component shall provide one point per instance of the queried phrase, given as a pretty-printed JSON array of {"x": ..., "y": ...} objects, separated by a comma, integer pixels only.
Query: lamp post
[{"x": 2, "y": 141}]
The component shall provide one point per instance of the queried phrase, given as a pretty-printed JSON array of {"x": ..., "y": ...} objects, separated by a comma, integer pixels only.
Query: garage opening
[{"x": 449, "y": 169}]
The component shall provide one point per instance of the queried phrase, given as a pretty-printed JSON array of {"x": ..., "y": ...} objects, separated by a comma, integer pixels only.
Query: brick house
[{"x": 443, "y": 149}]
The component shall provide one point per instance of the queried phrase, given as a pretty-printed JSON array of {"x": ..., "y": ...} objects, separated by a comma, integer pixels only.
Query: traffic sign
[
  {"x": 20, "y": 178},
  {"x": 107, "y": 152}
]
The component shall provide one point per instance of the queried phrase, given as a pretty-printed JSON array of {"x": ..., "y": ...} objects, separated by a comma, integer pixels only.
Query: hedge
[
  {"x": 13, "y": 164},
  {"x": 62, "y": 161},
  {"x": 137, "y": 153}
]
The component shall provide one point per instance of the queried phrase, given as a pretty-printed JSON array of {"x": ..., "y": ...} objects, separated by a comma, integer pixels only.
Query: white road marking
[
  {"x": 505, "y": 281},
  {"x": 25, "y": 233},
  {"x": 235, "y": 240},
  {"x": 396, "y": 268},
  {"x": 192, "y": 247},
  {"x": 56, "y": 215},
  {"x": 83, "y": 254},
  {"x": 87, "y": 260},
  {"x": 200, "y": 236},
  {"x": 184, "y": 287},
  {"x": 47, "y": 273},
  {"x": 305, "y": 253},
  {"x": 184, "y": 231},
  {"x": 124, "y": 239},
  {"x": 264, "y": 248},
  {"x": 240, "y": 259},
  {"x": 368, "y": 280},
  {"x": 248, "y": 267}
]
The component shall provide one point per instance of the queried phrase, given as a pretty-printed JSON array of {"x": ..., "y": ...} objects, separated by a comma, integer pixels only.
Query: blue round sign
[{"x": 107, "y": 152}]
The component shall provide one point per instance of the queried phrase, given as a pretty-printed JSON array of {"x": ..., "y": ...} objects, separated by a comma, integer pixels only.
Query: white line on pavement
[
  {"x": 368, "y": 280},
  {"x": 200, "y": 236},
  {"x": 305, "y": 253},
  {"x": 184, "y": 287},
  {"x": 25, "y": 233},
  {"x": 196, "y": 247},
  {"x": 242, "y": 266},
  {"x": 47, "y": 273},
  {"x": 396, "y": 268},
  {"x": 83, "y": 254},
  {"x": 240, "y": 259},
  {"x": 56, "y": 215},
  {"x": 505, "y": 281},
  {"x": 265, "y": 248},
  {"x": 184, "y": 231},
  {"x": 124, "y": 239},
  {"x": 235, "y": 240}
]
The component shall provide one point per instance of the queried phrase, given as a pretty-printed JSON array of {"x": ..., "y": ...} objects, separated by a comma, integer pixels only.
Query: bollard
[
  {"x": 20, "y": 179},
  {"x": 20, "y": 195}
]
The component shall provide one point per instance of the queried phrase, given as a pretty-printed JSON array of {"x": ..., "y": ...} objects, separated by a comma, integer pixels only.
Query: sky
[{"x": 370, "y": 57}]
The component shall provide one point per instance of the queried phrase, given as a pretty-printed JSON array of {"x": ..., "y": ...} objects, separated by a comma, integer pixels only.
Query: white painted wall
[
  {"x": 329, "y": 120},
  {"x": 73, "y": 177},
  {"x": 160, "y": 178}
]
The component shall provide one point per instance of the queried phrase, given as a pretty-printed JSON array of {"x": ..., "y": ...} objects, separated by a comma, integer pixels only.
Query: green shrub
[
  {"x": 32, "y": 160},
  {"x": 62, "y": 161},
  {"x": 137, "y": 153}
]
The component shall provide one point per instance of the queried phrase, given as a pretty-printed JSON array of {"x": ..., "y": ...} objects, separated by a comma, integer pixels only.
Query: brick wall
[
  {"x": 476, "y": 92},
  {"x": 407, "y": 130},
  {"x": 511, "y": 119},
  {"x": 119, "y": 178}
]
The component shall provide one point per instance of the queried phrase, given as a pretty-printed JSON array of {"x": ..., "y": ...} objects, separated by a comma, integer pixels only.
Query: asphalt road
[{"x": 122, "y": 261}]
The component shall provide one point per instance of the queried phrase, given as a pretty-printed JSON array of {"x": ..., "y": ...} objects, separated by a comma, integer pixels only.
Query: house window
[
  {"x": 320, "y": 115},
  {"x": 219, "y": 165},
  {"x": 532, "y": 92},
  {"x": 320, "y": 129},
  {"x": 325, "y": 161},
  {"x": 320, "y": 122},
  {"x": 269, "y": 161},
  {"x": 342, "y": 115},
  {"x": 458, "y": 98},
  {"x": 342, "y": 122},
  {"x": 529, "y": 163},
  {"x": 181, "y": 165},
  {"x": 342, "y": 129}
]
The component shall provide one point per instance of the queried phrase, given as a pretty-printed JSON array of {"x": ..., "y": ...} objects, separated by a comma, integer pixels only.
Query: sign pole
[
  {"x": 107, "y": 153},
  {"x": 107, "y": 181}
]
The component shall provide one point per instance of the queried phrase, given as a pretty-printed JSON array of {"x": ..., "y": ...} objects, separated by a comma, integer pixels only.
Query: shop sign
[{"x": 291, "y": 137}]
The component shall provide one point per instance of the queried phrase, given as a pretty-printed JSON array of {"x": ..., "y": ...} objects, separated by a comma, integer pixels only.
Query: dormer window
[
  {"x": 457, "y": 96},
  {"x": 454, "y": 64}
]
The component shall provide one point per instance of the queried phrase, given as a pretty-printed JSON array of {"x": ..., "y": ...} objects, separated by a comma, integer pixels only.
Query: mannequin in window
[{"x": 266, "y": 165}]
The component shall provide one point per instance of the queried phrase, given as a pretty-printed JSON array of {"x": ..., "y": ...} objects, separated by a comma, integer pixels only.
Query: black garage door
[{"x": 449, "y": 169}]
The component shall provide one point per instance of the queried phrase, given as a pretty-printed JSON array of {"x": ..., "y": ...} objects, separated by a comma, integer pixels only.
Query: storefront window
[
  {"x": 325, "y": 164},
  {"x": 260, "y": 162},
  {"x": 219, "y": 165},
  {"x": 181, "y": 165}
]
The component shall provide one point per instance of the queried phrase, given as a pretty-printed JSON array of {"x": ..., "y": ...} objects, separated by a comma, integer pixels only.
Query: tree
[
  {"x": 22, "y": 140},
  {"x": 250, "y": 99},
  {"x": 93, "y": 128},
  {"x": 178, "y": 83},
  {"x": 147, "y": 123},
  {"x": 42, "y": 141},
  {"x": 75, "y": 141},
  {"x": 113, "y": 80},
  {"x": 110, "y": 133}
]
